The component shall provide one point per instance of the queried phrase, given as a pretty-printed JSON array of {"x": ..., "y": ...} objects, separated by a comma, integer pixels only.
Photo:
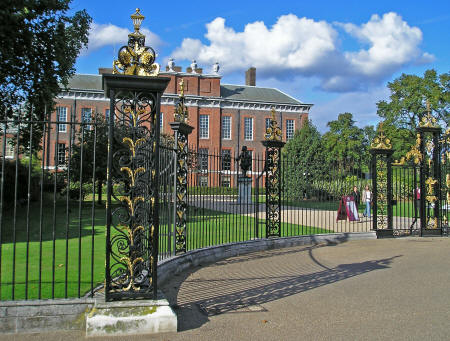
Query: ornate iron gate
[{"x": 417, "y": 185}]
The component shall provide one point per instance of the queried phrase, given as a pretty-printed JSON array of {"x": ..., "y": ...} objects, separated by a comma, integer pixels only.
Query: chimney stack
[
  {"x": 250, "y": 76},
  {"x": 103, "y": 70}
]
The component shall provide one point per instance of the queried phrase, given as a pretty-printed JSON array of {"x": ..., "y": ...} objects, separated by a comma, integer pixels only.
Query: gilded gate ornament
[
  {"x": 428, "y": 121},
  {"x": 181, "y": 111},
  {"x": 381, "y": 141},
  {"x": 273, "y": 132},
  {"x": 430, "y": 182},
  {"x": 414, "y": 154},
  {"x": 136, "y": 58}
]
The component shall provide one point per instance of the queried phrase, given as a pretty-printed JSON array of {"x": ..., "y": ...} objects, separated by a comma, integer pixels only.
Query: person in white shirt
[{"x": 367, "y": 199}]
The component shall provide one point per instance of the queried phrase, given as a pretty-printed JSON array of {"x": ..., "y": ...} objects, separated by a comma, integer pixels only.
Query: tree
[
  {"x": 304, "y": 160},
  {"x": 409, "y": 97},
  {"x": 401, "y": 138},
  {"x": 368, "y": 136},
  {"x": 91, "y": 147},
  {"x": 40, "y": 44},
  {"x": 343, "y": 143}
]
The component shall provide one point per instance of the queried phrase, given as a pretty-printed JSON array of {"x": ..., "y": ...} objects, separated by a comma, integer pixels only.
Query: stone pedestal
[
  {"x": 245, "y": 190},
  {"x": 131, "y": 318}
]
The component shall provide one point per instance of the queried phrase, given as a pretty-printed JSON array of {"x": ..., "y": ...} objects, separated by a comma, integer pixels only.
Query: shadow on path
[
  {"x": 246, "y": 291},
  {"x": 289, "y": 285}
]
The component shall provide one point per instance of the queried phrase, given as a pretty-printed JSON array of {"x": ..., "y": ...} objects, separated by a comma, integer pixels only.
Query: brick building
[{"x": 225, "y": 117}]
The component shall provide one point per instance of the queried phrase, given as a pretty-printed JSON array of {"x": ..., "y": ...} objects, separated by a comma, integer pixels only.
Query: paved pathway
[{"x": 395, "y": 289}]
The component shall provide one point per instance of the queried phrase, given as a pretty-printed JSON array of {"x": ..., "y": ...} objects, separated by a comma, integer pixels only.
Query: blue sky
[{"x": 338, "y": 55}]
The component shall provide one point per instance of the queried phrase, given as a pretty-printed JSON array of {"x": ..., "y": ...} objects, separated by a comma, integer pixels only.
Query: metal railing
[
  {"x": 52, "y": 219},
  {"x": 309, "y": 202},
  {"x": 53, "y": 214}
]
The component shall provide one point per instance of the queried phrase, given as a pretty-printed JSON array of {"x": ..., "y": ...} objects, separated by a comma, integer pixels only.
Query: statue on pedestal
[{"x": 245, "y": 161}]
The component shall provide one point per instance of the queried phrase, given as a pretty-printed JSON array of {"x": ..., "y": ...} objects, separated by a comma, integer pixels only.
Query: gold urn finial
[
  {"x": 381, "y": 141},
  {"x": 273, "y": 132},
  {"x": 136, "y": 58},
  {"x": 137, "y": 19}
]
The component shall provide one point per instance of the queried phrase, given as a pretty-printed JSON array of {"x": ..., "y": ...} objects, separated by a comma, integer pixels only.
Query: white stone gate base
[{"x": 131, "y": 318}]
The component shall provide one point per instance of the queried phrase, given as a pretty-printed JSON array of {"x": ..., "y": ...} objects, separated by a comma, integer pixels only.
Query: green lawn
[
  {"x": 83, "y": 236},
  {"x": 207, "y": 227}
]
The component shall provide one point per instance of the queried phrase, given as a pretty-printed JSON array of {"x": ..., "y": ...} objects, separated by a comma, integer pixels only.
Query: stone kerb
[{"x": 173, "y": 266}]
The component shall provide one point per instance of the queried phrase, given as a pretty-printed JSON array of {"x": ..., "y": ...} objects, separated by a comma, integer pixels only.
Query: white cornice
[
  {"x": 187, "y": 74},
  {"x": 198, "y": 101}
]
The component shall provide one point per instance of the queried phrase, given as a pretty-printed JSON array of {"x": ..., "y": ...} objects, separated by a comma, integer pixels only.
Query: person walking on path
[
  {"x": 367, "y": 199},
  {"x": 356, "y": 196}
]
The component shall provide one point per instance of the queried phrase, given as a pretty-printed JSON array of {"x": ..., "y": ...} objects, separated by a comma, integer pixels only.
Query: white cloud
[
  {"x": 296, "y": 46},
  {"x": 101, "y": 35},
  {"x": 392, "y": 43},
  {"x": 292, "y": 43}
]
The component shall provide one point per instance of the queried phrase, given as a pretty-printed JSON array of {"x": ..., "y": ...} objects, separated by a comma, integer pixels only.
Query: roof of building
[
  {"x": 255, "y": 93},
  {"x": 85, "y": 82},
  {"x": 227, "y": 91}
]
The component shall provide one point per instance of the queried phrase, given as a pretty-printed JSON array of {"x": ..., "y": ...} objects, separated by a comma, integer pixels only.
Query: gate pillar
[
  {"x": 430, "y": 176},
  {"x": 132, "y": 224},
  {"x": 381, "y": 169},
  {"x": 273, "y": 145},
  {"x": 181, "y": 132}
]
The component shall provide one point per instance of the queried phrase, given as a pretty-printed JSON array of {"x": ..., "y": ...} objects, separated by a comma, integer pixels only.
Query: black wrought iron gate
[{"x": 412, "y": 194}]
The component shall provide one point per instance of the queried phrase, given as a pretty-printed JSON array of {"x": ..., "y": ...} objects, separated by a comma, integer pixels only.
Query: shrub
[
  {"x": 10, "y": 182},
  {"x": 74, "y": 190}
]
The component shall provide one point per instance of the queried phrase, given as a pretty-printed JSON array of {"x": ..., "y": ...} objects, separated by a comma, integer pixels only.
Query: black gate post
[
  {"x": 273, "y": 146},
  {"x": 133, "y": 171},
  {"x": 381, "y": 165},
  {"x": 430, "y": 176},
  {"x": 180, "y": 195}
]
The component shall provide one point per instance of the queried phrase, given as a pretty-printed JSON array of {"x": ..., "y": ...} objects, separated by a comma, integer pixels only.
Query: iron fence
[
  {"x": 215, "y": 215},
  {"x": 52, "y": 213}
]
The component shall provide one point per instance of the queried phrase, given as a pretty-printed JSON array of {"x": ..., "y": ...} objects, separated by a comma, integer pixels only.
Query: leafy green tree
[
  {"x": 304, "y": 160},
  {"x": 368, "y": 136},
  {"x": 344, "y": 143},
  {"x": 409, "y": 97},
  {"x": 39, "y": 46},
  {"x": 401, "y": 139}
]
